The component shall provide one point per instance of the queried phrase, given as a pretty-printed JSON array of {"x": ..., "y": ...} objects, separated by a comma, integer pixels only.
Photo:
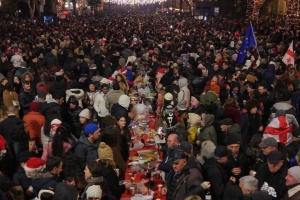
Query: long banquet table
[{"x": 139, "y": 176}]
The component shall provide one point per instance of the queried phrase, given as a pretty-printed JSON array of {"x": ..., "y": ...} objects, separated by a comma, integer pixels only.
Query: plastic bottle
[{"x": 208, "y": 195}]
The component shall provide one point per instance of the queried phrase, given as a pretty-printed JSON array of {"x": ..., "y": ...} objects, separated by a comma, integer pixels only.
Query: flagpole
[{"x": 255, "y": 40}]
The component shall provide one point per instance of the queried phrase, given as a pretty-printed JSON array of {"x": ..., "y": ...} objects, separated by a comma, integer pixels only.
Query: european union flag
[{"x": 249, "y": 41}]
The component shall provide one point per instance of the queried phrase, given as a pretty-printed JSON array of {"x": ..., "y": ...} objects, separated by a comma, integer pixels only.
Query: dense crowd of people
[{"x": 71, "y": 91}]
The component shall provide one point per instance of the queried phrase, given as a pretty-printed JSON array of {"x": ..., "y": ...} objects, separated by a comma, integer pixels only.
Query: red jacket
[{"x": 34, "y": 122}]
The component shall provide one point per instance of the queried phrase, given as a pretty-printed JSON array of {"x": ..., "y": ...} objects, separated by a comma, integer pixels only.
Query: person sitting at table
[
  {"x": 172, "y": 142},
  {"x": 184, "y": 179},
  {"x": 106, "y": 160}
]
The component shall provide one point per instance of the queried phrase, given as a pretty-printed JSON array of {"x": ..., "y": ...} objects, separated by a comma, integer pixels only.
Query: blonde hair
[{"x": 193, "y": 197}]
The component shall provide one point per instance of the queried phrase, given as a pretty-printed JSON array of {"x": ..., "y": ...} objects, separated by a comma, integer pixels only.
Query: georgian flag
[
  {"x": 289, "y": 56},
  {"x": 279, "y": 129}
]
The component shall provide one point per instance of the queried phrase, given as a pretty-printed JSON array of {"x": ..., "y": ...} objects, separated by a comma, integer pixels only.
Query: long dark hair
[{"x": 59, "y": 138}]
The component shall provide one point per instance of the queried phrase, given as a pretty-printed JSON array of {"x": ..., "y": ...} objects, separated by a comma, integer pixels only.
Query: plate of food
[
  {"x": 133, "y": 158},
  {"x": 146, "y": 154}
]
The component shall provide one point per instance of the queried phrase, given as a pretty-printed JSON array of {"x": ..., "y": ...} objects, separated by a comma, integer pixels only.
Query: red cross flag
[{"x": 289, "y": 56}]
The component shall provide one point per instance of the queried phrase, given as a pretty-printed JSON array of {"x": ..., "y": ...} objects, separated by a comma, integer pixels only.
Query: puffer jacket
[
  {"x": 188, "y": 182},
  {"x": 208, "y": 132},
  {"x": 184, "y": 94},
  {"x": 25, "y": 98},
  {"x": 73, "y": 119},
  {"x": 99, "y": 106},
  {"x": 77, "y": 93},
  {"x": 216, "y": 174},
  {"x": 85, "y": 150}
]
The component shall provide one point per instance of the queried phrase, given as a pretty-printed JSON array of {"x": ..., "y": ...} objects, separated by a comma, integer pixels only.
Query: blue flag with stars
[{"x": 248, "y": 42}]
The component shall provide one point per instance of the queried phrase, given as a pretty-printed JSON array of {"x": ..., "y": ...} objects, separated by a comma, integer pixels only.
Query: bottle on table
[{"x": 208, "y": 195}]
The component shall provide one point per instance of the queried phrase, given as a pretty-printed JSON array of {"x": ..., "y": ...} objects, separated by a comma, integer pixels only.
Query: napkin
[
  {"x": 158, "y": 140},
  {"x": 142, "y": 197}
]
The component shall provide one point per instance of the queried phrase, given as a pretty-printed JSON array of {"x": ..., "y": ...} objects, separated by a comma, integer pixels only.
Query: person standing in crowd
[
  {"x": 184, "y": 179},
  {"x": 271, "y": 175},
  {"x": 292, "y": 181},
  {"x": 215, "y": 173},
  {"x": 86, "y": 147},
  {"x": 112, "y": 97},
  {"x": 35, "y": 121},
  {"x": 26, "y": 96}
]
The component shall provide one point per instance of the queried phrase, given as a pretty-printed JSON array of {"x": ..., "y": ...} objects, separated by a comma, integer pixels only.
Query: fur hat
[
  {"x": 94, "y": 191},
  {"x": 124, "y": 101},
  {"x": 85, "y": 113},
  {"x": 105, "y": 152},
  {"x": 34, "y": 106},
  {"x": 194, "y": 119},
  {"x": 33, "y": 166}
]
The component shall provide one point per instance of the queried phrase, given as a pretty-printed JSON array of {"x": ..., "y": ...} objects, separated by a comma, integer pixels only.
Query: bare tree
[{"x": 32, "y": 7}]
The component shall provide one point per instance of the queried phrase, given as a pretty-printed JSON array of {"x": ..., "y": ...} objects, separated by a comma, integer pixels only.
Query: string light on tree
[{"x": 293, "y": 12}]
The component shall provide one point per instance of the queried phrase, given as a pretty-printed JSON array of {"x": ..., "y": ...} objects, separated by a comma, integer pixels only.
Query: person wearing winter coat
[
  {"x": 89, "y": 99},
  {"x": 35, "y": 121},
  {"x": 271, "y": 175},
  {"x": 285, "y": 105},
  {"x": 73, "y": 119},
  {"x": 47, "y": 178},
  {"x": 87, "y": 145},
  {"x": 215, "y": 173},
  {"x": 77, "y": 93},
  {"x": 112, "y": 97},
  {"x": 99, "y": 106},
  {"x": 184, "y": 96},
  {"x": 59, "y": 87},
  {"x": 279, "y": 129},
  {"x": 106, "y": 160},
  {"x": 26, "y": 96},
  {"x": 251, "y": 122},
  {"x": 20, "y": 178},
  {"x": 293, "y": 183},
  {"x": 121, "y": 108},
  {"x": 110, "y": 137},
  {"x": 94, "y": 176},
  {"x": 207, "y": 131},
  {"x": 184, "y": 179},
  {"x": 194, "y": 121}
]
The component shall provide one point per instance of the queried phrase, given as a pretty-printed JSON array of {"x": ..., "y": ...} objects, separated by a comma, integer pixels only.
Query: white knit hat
[
  {"x": 295, "y": 172},
  {"x": 94, "y": 191},
  {"x": 168, "y": 96},
  {"x": 85, "y": 113},
  {"x": 56, "y": 122},
  {"x": 124, "y": 101}
]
